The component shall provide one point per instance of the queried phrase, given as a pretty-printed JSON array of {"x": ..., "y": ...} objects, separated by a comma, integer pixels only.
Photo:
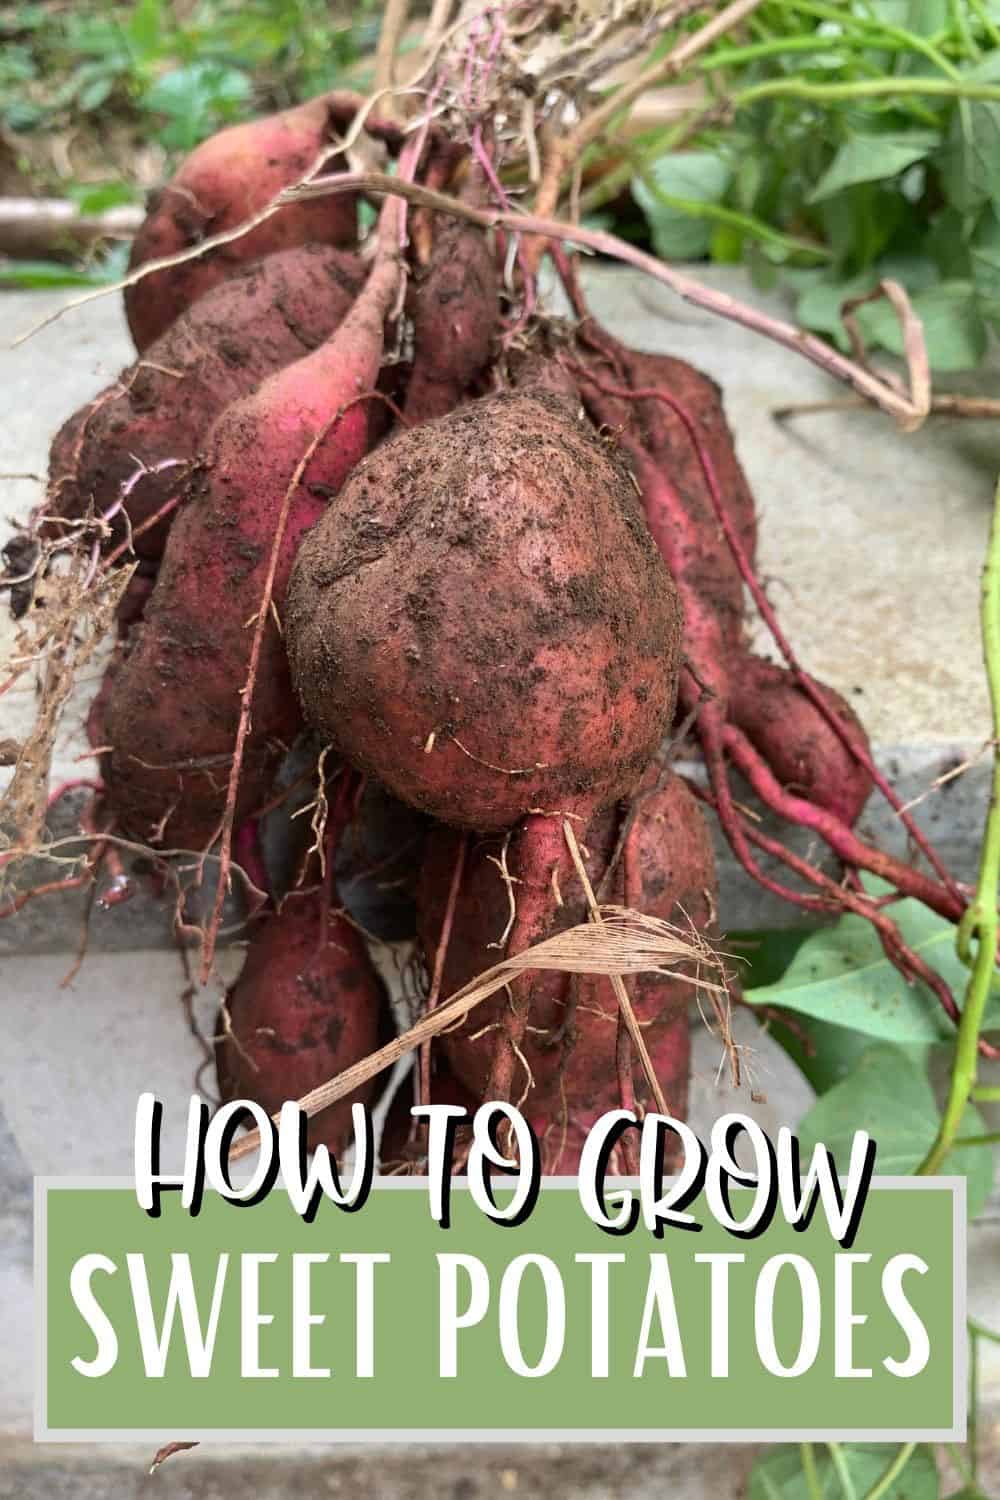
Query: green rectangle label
[{"x": 382, "y": 1325}]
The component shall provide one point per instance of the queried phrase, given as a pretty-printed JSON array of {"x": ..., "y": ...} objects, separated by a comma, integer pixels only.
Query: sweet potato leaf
[
  {"x": 890, "y": 1097},
  {"x": 778, "y": 1474},
  {"x": 841, "y": 975}
]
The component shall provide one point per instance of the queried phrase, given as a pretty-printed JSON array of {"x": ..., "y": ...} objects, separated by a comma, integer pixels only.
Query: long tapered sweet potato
[
  {"x": 485, "y": 624},
  {"x": 176, "y": 705},
  {"x": 305, "y": 1007},
  {"x": 567, "y": 1063},
  {"x": 160, "y": 408},
  {"x": 224, "y": 182}
]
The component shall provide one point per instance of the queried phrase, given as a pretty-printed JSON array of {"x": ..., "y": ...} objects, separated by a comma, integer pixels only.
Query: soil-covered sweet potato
[
  {"x": 666, "y": 870},
  {"x": 485, "y": 624},
  {"x": 659, "y": 447},
  {"x": 305, "y": 1007},
  {"x": 801, "y": 749},
  {"x": 455, "y": 309},
  {"x": 160, "y": 408},
  {"x": 176, "y": 704},
  {"x": 702, "y": 399},
  {"x": 224, "y": 182}
]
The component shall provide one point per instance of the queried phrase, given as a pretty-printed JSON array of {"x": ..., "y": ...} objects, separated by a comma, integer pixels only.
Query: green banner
[{"x": 379, "y": 1324}]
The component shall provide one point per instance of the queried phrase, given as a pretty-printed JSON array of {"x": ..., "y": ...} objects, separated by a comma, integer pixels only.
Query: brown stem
[
  {"x": 819, "y": 353},
  {"x": 440, "y": 955}
]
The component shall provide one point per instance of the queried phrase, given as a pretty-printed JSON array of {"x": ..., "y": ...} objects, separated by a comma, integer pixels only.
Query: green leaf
[
  {"x": 984, "y": 253},
  {"x": 841, "y": 975},
  {"x": 819, "y": 306},
  {"x": 777, "y": 1474},
  {"x": 763, "y": 957},
  {"x": 868, "y": 158},
  {"x": 144, "y": 30},
  {"x": 954, "y": 329},
  {"x": 694, "y": 176},
  {"x": 98, "y": 197},
  {"x": 825, "y": 1055},
  {"x": 927, "y": 17},
  {"x": 970, "y": 158},
  {"x": 892, "y": 1099},
  {"x": 94, "y": 93},
  {"x": 37, "y": 275},
  {"x": 945, "y": 243}
]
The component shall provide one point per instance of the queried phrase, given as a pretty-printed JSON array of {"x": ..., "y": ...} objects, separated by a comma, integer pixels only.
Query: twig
[
  {"x": 901, "y": 406},
  {"x": 941, "y": 406},
  {"x": 393, "y": 22},
  {"x": 440, "y": 955}
]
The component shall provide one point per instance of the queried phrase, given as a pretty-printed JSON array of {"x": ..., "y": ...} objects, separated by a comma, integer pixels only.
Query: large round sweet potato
[{"x": 483, "y": 622}]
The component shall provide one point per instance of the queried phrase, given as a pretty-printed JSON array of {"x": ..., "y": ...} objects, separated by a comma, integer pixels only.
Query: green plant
[
  {"x": 858, "y": 141},
  {"x": 864, "y": 1038},
  {"x": 173, "y": 80}
]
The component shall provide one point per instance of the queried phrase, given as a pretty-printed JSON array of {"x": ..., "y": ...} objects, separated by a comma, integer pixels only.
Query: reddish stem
[
  {"x": 541, "y": 850},
  {"x": 903, "y": 957},
  {"x": 841, "y": 839},
  {"x": 843, "y": 729}
]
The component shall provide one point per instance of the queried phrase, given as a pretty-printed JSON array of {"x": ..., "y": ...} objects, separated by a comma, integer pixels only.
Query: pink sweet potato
[
  {"x": 455, "y": 309},
  {"x": 800, "y": 747},
  {"x": 568, "y": 1044},
  {"x": 678, "y": 503},
  {"x": 702, "y": 399},
  {"x": 305, "y": 1007},
  {"x": 225, "y": 181},
  {"x": 218, "y": 350},
  {"x": 484, "y": 624},
  {"x": 176, "y": 705}
]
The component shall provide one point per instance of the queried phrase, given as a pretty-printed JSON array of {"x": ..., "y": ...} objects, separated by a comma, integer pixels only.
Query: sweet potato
[
  {"x": 305, "y": 1006},
  {"x": 455, "y": 309},
  {"x": 176, "y": 705},
  {"x": 225, "y": 181},
  {"x": 702, "y": 399},
  {"x": 678, "y": 502},
  {"x": 800, "y": 747},
  {"x": 666, "y": 870},
  {"x": 161, "y": 407},
  {"x": 484, "y": 624}
]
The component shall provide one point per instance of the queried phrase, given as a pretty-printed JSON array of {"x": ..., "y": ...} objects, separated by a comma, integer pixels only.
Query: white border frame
[{"x": 333, "y": 1437}]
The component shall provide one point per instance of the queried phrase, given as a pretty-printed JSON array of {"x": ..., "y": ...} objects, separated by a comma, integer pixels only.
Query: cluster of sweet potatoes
[{"x": 493, "y": 560}]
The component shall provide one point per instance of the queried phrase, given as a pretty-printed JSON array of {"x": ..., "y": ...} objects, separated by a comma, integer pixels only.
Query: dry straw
[{"x": 620, "y": 941}]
